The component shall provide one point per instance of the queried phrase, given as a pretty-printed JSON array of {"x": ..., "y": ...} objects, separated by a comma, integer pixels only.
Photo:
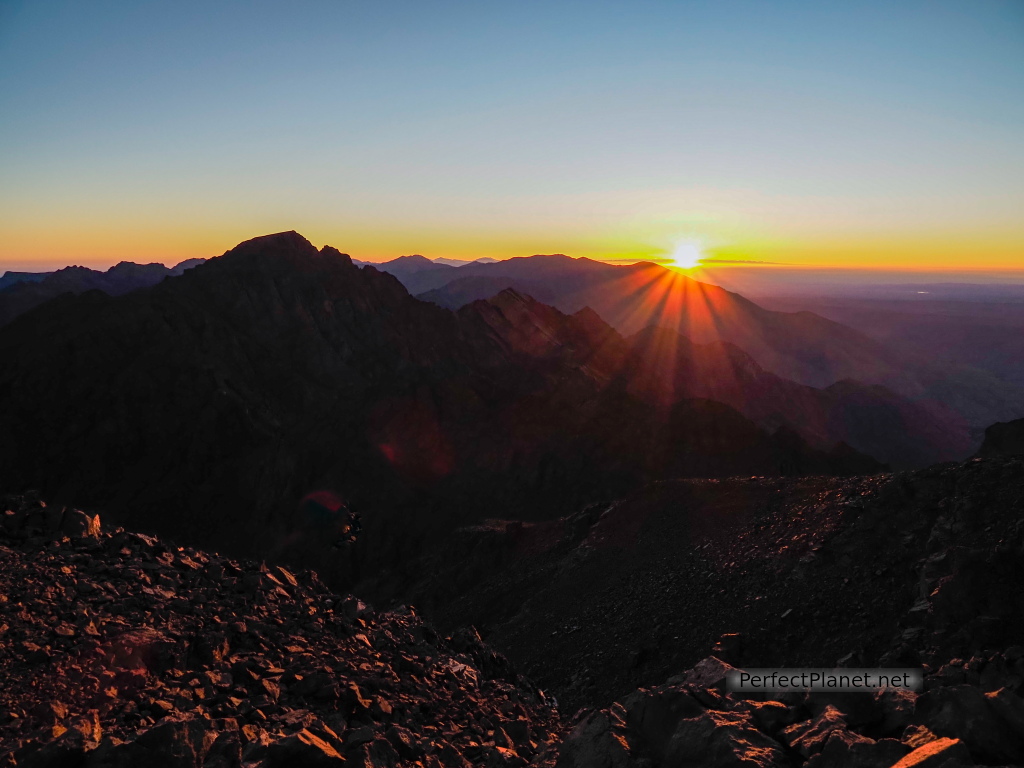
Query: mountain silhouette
[
  {"x": 212, "y": 403},
  {"x": 10, "y": 278},
  {"x": 22, "y": 294},
  {"x": 801, "y": 346}
]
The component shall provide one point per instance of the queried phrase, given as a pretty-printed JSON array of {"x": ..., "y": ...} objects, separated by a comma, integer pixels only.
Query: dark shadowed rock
[
  {"x": 845, "y": 749},
  {"x": 302, "y": 748},
  {"x": 1004, "y": 439},
  {"x": 265, "y": 383},
  {"x": 991, "y": 725},
  {"x": 171, "y": 744},
  {"x": 809, "y": 737},
  {"x": 599, "y": 741},
  {"x": 727, "y": 739}
]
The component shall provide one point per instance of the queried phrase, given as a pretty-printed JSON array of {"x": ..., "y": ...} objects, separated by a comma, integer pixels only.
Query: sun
[{"x": 687, "y": 256}]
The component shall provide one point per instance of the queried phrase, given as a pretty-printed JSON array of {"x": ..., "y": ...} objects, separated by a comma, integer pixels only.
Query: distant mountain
[
  {"x": 986, "y": 334},
  {"x": 277, "y": 370},
  {"x": 181, "y": 266},
  {"x": 663, "y": 367},
  {"x": 418, "y": 272},
  {"x": 464, "y": 262},
  {"x": 10, "y": 278},
  {"x": 22, "y": 295},
  {"x": 801, "y": 346}
]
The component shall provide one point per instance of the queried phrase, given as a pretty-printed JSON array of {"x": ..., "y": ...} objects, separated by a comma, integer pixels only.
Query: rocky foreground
[{"x": 118, "y": 649}]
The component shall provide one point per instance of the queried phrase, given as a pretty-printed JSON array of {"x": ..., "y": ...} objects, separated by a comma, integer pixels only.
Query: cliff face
[{"x": 210, "y": 405}]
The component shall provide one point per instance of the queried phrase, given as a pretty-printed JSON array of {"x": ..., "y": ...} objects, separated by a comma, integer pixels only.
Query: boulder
[
  {"x": 721, "y": 739},
  {"x": 66, "y": 751},
  {"x": 845, "y": 749},
  {"x": 303, "y": 748},
  {"x": 598, "y": 741},
  {"x": 78, "y": 524},
  {"x": 707, "y": 673},
  {"x": 769, "y": 716},
  {"x": 809, "y": 737},
  {"x": 895, "y": 707},
  {"x": 170, "y": 744},
  {"x": 145, "y": 650},
  {"x": 991, "y": 725},
  {"x": 941, "y": 753}
]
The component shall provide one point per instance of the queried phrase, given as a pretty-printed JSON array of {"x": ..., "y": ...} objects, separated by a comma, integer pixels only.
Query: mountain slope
[
  {"x": 660, "y": 367},
  {"x": 125, "y": 650},
  {"x": 895, "y": 570},
  {"x": 801, "y": 346},
  {"x": 166, "y": 657},
  {"x": 663, "y": 366},
  {"x": 417, "y": 272}
]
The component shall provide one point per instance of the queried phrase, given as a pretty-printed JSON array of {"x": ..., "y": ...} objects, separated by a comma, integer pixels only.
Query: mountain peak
[
  {"x": 510, "y": 296},
  {"x": 282, "y": 243},
  {"x": 413, "y": 265},
  {"x": 282, "y": 251},
  {"x": 331, "y": 252},
  {"x": 413, "y": 258}
]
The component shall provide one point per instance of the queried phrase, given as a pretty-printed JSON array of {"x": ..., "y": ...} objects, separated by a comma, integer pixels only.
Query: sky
[{"x": 817, "y": 134}]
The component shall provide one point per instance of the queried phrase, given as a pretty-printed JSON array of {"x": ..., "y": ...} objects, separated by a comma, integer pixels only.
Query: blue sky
[{"x": 846, "y": 133}]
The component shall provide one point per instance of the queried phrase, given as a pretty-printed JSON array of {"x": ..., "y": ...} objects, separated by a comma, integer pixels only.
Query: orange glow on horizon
[{"x": 86, "y": 244}]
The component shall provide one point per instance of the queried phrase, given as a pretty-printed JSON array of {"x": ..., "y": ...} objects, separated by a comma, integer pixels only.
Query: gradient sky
[{"x": 846, "y": 134}]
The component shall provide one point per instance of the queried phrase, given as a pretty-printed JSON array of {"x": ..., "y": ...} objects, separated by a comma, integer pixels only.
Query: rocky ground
[
  {"x": 893, "y": 569},
  {"x": 970, "y": 713},
  {"x": 118, "y": 649}
]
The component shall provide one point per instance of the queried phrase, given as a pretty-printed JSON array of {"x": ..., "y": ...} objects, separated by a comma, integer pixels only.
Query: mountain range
[
  {"x": 21, "y": 291},
  {"x": 607, "y": 501},
  {"x": 418, "y": 272},
  {"x": 276, "y": 370},
  {"x": 802, "y": 346}
]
